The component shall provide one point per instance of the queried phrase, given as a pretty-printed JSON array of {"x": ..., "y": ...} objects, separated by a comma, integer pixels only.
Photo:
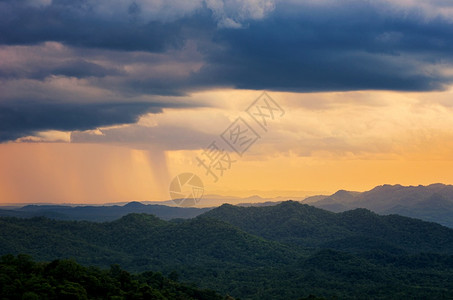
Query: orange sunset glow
[
  {"x": 324, "y": 142},
  {"x": 113, "y": 114}
]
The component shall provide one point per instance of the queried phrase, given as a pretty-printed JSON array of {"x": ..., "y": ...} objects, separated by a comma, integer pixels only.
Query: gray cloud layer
[
  {"x": 22, "y": 118},
  {"x": 135, "y": 49}
]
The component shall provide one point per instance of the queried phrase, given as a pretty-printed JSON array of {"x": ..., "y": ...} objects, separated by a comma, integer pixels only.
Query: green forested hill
[
  {"x": 359, "y": 229},
  {"x": 22, "y": 278},
  {"x": 139, "y": 241},
  {"x": 287, "y": 251}
]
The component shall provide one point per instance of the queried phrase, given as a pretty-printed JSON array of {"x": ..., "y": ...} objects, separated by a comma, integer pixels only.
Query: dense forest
[
  {"x": 22, "y": 278},
  {"x": 360, "y": 229},
  {"x": 288, "y": 251}
]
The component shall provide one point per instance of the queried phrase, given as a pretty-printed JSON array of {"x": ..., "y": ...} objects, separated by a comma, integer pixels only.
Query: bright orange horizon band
[{"x": 325, "y": 142}]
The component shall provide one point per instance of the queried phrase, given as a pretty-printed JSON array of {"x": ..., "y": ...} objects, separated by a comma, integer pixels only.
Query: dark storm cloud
[
  {"x": 346, "y": 47},
  {"x": 78, "y": 68},
  {"x": 297, "y": 46},
  {"x": 22, "y": 118},
  {"x": 81, "y": 68},
  {"x": 349, "y": 45},
  {"x": 75, "y": 23}
]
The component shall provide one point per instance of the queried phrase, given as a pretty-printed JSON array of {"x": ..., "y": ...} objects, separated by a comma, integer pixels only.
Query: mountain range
[
  {"x": 286, "y": 251},
  {"x": 101, "y": 213},
  {"x": 430, "y": 203}
]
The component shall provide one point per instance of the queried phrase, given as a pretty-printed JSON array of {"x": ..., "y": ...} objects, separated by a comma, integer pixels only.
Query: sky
[{"x": 108, "y": 100}]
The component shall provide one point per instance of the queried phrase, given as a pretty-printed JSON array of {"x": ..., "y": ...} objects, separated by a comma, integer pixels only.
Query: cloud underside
[
  {"x": 26, "y": 118},
  {"x": 142, "y": 51}
]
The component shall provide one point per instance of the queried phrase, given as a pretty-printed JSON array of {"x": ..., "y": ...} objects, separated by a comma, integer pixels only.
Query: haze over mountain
[
  {"x": 214, "y": 200},
  {"x": 431, "y": 203},
  {"x": 101, "y": 213}
]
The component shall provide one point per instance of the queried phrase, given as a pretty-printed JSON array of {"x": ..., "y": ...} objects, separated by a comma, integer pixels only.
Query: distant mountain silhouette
[
  {"x": 430, "y": 203},
  {"x": 213, "y": 200},
  {"x": 102, "y": 213}
]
